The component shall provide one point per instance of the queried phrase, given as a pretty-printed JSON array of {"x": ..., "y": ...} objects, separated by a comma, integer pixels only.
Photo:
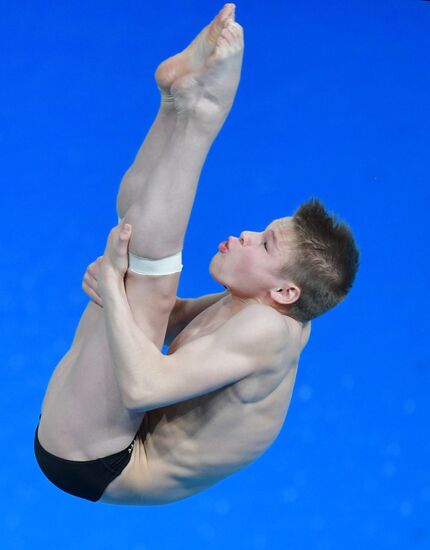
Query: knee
[
  {"x": 153, "y": 291},
  {"x": 168, "y": 265}
]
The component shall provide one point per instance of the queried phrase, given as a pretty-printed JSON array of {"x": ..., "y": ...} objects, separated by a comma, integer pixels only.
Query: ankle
[
  {"x": 207, "y": 116},
  {"x": 199, "y": 130},
  {"x": 167, "y": 105},
  {"x": 201, "y": 112}
]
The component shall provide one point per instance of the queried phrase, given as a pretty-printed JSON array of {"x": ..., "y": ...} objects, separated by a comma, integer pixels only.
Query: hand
[
  {"x": 90, "y": 282},
  {"x": 115, "y": 258}
]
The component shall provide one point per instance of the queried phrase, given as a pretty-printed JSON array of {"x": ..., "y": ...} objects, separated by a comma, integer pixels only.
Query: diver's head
[{"x": 302, "y": 265}]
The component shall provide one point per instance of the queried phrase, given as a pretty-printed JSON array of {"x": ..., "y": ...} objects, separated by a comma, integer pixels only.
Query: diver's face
[{"x": 250, "y": 266}]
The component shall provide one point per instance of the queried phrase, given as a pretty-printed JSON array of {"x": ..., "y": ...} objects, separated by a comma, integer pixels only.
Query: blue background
[{"x": 333, "y": 103}]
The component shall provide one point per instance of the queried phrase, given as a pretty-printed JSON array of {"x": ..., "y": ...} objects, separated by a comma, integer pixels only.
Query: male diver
[{"x": 121, "y": 422}]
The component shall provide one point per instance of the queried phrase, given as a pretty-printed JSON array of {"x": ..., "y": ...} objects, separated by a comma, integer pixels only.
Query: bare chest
[
  {"x": 250, "y": 389},
  {"x": 192, "y": 445},
  {"x": 200, "y": 441}
]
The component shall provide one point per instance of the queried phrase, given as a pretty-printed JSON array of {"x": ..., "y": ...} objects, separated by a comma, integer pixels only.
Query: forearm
[{"x": 135, "y": 358}]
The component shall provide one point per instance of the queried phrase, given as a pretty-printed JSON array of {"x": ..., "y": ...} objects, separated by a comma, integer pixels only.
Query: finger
[
  {"x": 93, "y": 285},
  {"x": 93, "y": 295},
  {"x": 87, "y": 284},
  {"x": 96, "y": 299},
  {"x": 124, "y": 238},
  {"x": 97, "y": 266},
  {"x": 89, "y": 279},
  {"x": 94, "y": 269},
  {"x": 125, "y": 232}
]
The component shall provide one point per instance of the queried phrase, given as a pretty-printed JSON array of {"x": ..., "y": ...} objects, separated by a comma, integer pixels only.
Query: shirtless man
[{"x": 218, "y": 399}]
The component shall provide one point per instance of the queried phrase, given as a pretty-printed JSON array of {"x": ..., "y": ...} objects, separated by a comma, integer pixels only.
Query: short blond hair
[{"x": 326, "y": 260}]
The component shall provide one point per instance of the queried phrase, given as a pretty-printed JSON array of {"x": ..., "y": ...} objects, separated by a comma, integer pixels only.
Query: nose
[
  {"x": 230, "y": 240},
  {"x": 244, "y": 238}
]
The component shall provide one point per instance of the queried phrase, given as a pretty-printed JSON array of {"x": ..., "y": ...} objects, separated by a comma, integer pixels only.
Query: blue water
[{"x": 333, "y": 103}]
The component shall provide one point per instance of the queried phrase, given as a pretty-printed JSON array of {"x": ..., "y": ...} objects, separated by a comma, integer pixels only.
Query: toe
[
  {"x": 228, "y": 35},
  {"x": 222, "y": 48},
  {"x": 235, "y": 27},
  {"x": 227, "y": 13},
  {"x": 225, "y": 16},
  {"x": 233, "y": 34}
]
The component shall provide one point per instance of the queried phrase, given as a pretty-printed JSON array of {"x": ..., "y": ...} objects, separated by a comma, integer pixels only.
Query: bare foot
[
  {"x": 193, "y": 58},
  {"x": 208, "y": 94}
]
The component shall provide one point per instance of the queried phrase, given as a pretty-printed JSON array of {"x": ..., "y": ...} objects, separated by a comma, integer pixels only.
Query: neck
[{"x": 236, "y": 303}]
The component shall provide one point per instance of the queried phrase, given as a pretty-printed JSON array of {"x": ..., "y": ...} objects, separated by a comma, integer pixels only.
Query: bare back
[{"x": 192, "y": 445}]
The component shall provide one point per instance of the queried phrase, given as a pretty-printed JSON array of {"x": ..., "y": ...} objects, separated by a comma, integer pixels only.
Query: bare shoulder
[
  {"x": 257, "y": 330},
  {"x": 248, "y": 343},
  {"x": 261, "y": 319}
]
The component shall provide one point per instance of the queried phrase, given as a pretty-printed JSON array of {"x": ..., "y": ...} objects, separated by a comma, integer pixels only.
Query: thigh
[{"x": 83, "y": 417}]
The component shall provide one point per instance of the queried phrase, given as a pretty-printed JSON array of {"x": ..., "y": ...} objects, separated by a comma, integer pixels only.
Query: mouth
[{"x": 223, "y": 247}]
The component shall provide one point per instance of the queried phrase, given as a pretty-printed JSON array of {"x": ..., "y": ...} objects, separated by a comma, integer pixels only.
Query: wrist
[{"x": 111, "y": 281}]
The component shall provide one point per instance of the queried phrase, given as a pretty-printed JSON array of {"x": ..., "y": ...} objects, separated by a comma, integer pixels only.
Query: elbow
[
  {"x": 139, "y": 396},
  {"x": 136, "y": 403}
]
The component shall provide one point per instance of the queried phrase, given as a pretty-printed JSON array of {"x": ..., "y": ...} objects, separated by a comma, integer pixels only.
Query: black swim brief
[{"x": 86, "y": 479}]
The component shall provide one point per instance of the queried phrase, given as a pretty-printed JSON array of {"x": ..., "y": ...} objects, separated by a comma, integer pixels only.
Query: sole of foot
[
  {"x": 208, "y": 94},
  {"x": 195, "y": 55}
]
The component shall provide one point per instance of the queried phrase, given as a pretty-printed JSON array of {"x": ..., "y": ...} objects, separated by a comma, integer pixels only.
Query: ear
[{"x": 288, "y": 294}]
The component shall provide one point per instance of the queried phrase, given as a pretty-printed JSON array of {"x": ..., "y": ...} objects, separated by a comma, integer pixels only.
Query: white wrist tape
[{"x": 162, "y": 266}]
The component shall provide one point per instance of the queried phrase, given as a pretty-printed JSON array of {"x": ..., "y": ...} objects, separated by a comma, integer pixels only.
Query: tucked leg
[
  {"x": 192, "y": 59},
  {"x": 162, "y": 204},
  {"x": 159, "y": 211}
]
